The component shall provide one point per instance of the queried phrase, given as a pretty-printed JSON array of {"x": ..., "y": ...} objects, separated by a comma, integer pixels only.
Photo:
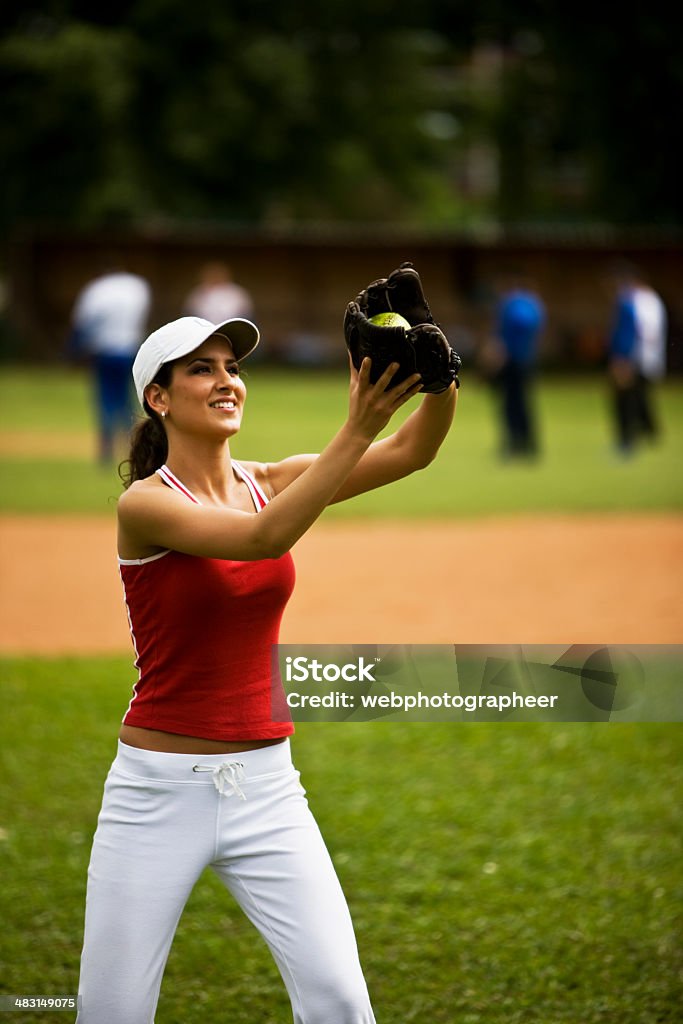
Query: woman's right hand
[{"x": 371, "y": 406}]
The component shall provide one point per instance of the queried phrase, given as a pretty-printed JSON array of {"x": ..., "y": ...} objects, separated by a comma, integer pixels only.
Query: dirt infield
[{"x": 535, "y": 580}]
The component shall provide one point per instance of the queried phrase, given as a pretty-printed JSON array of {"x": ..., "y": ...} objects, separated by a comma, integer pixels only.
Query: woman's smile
[{"x": 224, "y": 405}]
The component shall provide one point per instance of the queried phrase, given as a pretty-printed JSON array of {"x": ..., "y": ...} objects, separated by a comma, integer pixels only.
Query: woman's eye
[
  {"x": 234, "y": 370},
  {"x": 201, "y": 369}
]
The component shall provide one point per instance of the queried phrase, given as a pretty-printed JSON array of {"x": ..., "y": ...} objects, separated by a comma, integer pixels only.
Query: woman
[{"x": 203, "y": 774}]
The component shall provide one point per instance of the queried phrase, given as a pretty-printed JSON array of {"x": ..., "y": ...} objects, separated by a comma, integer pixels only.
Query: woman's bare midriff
[{"x": 174, "y": 743}]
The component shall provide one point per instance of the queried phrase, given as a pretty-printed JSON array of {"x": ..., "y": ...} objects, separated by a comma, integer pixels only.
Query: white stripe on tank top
[{"x": 175, "y": 484}]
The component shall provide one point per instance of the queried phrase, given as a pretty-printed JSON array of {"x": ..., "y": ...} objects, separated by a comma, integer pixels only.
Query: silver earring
[{"x": 163, "y": 415}]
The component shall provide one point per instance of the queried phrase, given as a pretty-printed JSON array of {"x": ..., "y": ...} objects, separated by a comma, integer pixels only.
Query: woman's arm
[
  {"x": 151, "y": 515},
  {"x": 412, "y": 447}
]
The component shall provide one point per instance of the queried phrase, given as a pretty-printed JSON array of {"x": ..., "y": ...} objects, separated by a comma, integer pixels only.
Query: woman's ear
[{"x": 157, "y": 399}]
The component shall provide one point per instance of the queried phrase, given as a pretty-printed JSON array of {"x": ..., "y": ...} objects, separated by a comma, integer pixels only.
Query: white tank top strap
[
  {"x": 175, "y": 484},
  {"x": 254, "y": 488},
  {"x": 257, "y": 494}
]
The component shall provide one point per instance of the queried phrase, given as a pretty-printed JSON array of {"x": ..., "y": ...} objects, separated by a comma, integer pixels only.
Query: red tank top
[{"x": 203, "y": 630}]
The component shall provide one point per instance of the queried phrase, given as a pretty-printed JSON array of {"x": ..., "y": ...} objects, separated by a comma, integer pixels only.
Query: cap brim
[{"x": 242, "y": 334}]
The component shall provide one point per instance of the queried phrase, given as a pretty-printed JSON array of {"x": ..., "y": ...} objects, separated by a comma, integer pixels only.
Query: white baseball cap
[{"x": 183, "y": 336}]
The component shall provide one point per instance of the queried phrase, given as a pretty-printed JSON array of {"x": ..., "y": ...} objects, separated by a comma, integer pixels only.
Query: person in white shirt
[
  {"x": 637, "y": 356},
  {"x": 109, "y": 321},
  {"x": 217, "y": 297}
]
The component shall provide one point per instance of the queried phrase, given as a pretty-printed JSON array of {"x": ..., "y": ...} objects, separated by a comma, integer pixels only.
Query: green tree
[
  {"x": 261, "y": 113},
  {"x": 66, "y": 151},
  {"x": 221, "y": 111}
]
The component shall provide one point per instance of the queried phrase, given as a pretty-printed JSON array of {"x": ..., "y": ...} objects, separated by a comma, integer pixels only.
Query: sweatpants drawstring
[{"x": 226, "y": 777}]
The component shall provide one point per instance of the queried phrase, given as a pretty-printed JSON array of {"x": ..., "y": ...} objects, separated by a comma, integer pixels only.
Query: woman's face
[{"x": 206, "y": 394}]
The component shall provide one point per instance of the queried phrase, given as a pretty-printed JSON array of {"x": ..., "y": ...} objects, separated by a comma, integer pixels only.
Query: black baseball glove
[{"x": 420, "y": 348}]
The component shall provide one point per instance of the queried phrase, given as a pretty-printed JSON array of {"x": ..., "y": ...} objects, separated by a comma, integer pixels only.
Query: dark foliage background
[{"x": 439, "y": 114}]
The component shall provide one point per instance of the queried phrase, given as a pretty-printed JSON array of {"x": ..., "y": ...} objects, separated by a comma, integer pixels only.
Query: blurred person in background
[
  {"x": 217, "y": 297},
  {"x": 519, "y": 321},
  {"x": 637, "y": 356},
  {"x": 108, "y": 323}
]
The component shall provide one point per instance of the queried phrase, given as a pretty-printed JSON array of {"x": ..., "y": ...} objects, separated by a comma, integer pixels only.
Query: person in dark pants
[
  {"x": 520, "y": 317},
  {"x": 108, "y": 323},
  {"x": 637, "y": 357}
]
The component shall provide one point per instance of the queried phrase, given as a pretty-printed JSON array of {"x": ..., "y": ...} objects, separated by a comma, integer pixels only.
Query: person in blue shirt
[
  {"x": 520, "y": 318},
  {"x": 637, "y": 356}
]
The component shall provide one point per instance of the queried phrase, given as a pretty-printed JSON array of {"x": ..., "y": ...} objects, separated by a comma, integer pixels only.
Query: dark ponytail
[{"x": 148, "y": 441}]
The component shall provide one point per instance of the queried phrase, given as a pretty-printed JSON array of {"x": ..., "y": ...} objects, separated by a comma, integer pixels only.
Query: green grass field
[
  {"x": 526, "y": 874},
  {"x": 290, "y": 412},
  {"x": 529, "y": 874}
]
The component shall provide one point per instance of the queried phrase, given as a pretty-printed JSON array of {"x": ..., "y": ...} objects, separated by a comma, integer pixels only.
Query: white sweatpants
[{"x": 164, "y": 818}]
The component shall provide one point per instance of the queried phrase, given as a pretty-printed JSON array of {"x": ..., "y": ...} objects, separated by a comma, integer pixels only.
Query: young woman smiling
[{"x": 203, "y": 775}]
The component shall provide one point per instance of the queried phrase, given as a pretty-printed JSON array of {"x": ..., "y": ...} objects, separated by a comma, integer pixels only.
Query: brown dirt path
[{"x": 613, "y": 580}]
